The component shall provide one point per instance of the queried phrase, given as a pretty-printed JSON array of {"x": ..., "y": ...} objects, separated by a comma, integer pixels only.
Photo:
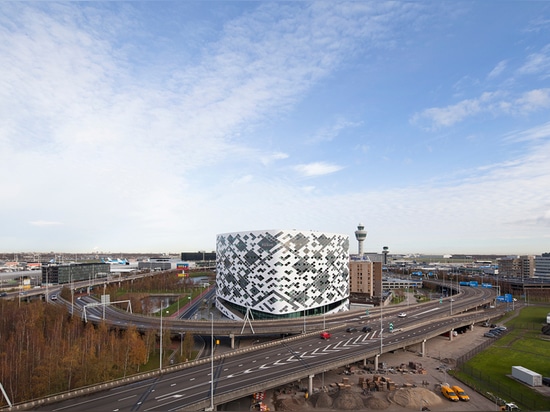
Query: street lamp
[
  {"x": 381, "y": 322},
  {"x": 161, "y": 310},
  {"x": 212, "y": 362}
]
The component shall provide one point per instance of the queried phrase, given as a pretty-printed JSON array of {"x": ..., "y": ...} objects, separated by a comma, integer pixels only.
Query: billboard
[{"x": 183, "y": 269}]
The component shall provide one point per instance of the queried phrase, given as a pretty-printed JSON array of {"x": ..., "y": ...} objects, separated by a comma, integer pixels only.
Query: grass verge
[{"x": 490, "y": 371}]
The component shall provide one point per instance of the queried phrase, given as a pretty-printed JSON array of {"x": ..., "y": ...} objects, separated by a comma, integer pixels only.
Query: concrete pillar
[
  {"x": 310, "y": 385},
  {"x": 365, "y": 362},
  {"x": 232, "y": 337},
  {"x": 451, "y": 334},
  {"x": 423, "y": 350},
  {"x": 376, "y": 362}
]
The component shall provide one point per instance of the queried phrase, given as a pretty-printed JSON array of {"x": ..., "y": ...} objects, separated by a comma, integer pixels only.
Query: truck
[{"x": 527, "y": 376}]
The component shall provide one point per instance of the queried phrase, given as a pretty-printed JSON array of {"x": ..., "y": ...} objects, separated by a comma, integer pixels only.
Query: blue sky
[{"x": 154, "y": 126}]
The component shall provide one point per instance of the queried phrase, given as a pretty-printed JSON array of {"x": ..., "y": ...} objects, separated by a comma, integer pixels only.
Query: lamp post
[
  {"x": 212, "y": 362},
  {"x": 161, "y": 310},
  {"x": 381, "y": 322}
]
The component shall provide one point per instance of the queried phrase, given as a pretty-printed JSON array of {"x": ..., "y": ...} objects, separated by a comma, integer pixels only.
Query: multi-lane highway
[{"x": 240, "y": 372}]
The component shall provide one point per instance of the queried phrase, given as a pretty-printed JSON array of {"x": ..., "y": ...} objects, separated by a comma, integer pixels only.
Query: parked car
[
  {"x": 489, "y": 335},
  {"x": 349, "y": 330},
  {"x": 366, "y": 329},
  {"x": 460, "y": 393},
  {"x": 325, "y": 335}
]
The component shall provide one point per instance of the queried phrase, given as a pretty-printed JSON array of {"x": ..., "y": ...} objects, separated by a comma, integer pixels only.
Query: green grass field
[{"x": 524, "y": 345}]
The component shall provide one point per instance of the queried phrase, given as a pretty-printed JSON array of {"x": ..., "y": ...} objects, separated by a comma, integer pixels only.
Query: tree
[{"x": 188, "y": 346}]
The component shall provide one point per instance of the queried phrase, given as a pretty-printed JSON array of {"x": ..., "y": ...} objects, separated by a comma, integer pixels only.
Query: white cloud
[
  {"x": 332, "y": 131},
  {"x": 532, "y": 134},
  {"x": 44, "y": 223},
  {"x": 495, "y": 103},
  {"x": 317, "y": 169},
  {"x": 537, "y": 63},
  {"x": 498, "y": 69}
]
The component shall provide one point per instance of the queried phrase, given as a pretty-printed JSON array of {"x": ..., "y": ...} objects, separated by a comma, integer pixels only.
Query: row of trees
[{"x": 43, "y": 350}]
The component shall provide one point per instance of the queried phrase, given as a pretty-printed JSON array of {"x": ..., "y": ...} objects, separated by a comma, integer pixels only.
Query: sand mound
[
  {"x": 377, "y": 403},
  {"x": 323, "y": 400},
  {"x": 291, "y": 403},
  {"x": 348, "y": 401},
  {"x": 414, "y": 398}
]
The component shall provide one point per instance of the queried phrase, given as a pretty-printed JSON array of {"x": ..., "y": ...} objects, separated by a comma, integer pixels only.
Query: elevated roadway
[
  {"x": 237, "y": 373},
  {"x": 468, "y": 299}
]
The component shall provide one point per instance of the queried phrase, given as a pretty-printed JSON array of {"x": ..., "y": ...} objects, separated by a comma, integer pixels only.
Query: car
[
  {"x": 349, "y": 330},
  {"x": 449, "y": 393},
  {"x": 3, "y": 294},
  {"x": 366, "y": 329},
  {"x": 402, "y": 315},
  {"x": 489, "y": 335},
  {"x": 53, "y": 297},
  {"x": 325, "y": 335},
  {"x": 460, "y": 393}
]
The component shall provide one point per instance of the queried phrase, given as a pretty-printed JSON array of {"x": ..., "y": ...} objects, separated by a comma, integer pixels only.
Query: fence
[{"x": 490, "y": 384}]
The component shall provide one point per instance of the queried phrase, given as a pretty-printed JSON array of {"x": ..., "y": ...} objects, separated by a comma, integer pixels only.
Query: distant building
[
  {"x": 542, "y": 266},
  {"x": 361, "y": 276},
  {"x": 509, "y": 266},
  {"x": 522, "y": 267},
  {"x": 276, "y": 274},
  {"x": 73, "y": 272},
  {"x": 365, "y": 277}
]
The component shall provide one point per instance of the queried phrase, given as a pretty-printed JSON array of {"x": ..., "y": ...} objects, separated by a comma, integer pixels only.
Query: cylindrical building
[{"x": 281, "y": 273}]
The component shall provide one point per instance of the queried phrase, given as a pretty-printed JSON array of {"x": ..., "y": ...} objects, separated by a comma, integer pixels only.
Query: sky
[{"x": 153, "y": 126}]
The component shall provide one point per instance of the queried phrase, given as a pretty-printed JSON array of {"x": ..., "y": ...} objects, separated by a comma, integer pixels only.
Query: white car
[{"x": 402, "y": 315}]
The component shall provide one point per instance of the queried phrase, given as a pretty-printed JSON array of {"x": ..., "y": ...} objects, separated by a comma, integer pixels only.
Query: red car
[{"x": 325, "y": 335}]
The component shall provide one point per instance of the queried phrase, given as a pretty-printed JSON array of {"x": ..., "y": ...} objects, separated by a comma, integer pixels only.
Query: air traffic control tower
[{"x": 360, "y": 235}]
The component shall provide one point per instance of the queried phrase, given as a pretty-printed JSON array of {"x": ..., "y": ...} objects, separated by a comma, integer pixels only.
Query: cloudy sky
[{"x": 153, "y": 126}]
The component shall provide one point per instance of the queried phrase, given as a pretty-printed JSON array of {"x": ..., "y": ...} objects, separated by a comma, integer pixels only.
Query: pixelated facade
[{"x": 281, "y": 273}]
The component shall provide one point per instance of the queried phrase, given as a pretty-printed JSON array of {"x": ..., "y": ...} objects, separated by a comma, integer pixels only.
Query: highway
[
  {"x": 469, "y": 298},
  {"x": 241, "y": 372}
]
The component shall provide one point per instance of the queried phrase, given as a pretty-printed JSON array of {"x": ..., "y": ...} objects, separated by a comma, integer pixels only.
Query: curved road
[{"x": 242, "y": 372}]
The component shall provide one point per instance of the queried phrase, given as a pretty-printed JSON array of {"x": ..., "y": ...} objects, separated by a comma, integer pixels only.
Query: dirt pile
[
  {"x": 348, "y": 401},
  {"x": 323, "y": 401},
  {"x": 414, "y": 398},
  {"x": 291, "y": 403}
]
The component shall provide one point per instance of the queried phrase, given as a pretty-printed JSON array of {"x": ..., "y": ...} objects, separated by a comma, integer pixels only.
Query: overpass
[{"x": 240, "y": 372}]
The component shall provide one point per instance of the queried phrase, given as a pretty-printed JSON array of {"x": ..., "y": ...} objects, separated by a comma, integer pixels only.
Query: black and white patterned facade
[{"x": 281, "y": 273}]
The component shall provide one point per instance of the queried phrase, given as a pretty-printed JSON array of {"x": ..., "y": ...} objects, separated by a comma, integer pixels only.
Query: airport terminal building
[{"x": 273, "y": 274}]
